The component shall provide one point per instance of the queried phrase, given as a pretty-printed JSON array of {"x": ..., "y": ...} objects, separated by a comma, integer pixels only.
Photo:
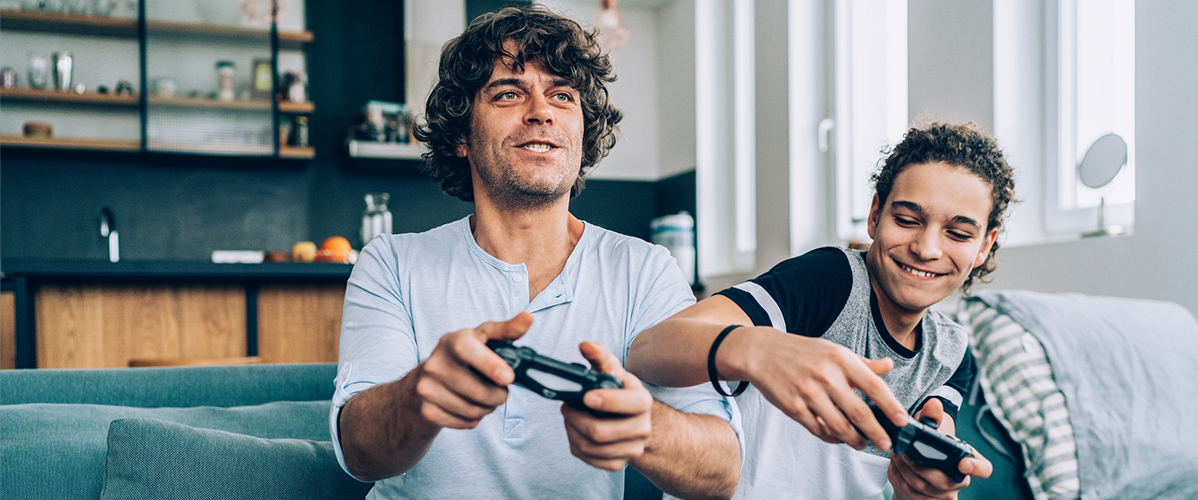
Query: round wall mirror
[{"x": 1103, "y": 161}]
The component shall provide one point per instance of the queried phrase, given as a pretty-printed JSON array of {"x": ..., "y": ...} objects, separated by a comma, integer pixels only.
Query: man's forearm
[
  {"x": 690, "y": 455},
  {"x": 383, "y": 433}
]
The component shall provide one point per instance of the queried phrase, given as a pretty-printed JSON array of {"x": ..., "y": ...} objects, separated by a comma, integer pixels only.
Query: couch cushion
[
  {"x": 156, "y": 459},
  {"x": 58, "y": 450},
  {"x": 1126, "y": 371},
  {"x": 1018, "y": 381},
  {"x": 180, "y": 386}
]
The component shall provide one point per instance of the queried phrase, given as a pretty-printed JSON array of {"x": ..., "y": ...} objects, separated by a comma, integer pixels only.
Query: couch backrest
[{"x": 178, "y": 386}]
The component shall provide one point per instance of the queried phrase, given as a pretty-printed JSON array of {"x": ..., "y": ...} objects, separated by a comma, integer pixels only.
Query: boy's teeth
[
  {"x": 918, "y": 273},
  {"x": 540, "y": 148}
]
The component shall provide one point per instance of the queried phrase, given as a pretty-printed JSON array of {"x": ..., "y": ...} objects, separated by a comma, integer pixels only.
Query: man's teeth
[
  {"x": 538, "y": 147},
  {"x": 918, "y": 273}
]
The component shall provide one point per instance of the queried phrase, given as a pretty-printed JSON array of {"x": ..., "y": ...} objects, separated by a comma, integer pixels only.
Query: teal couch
[{"x": 249, "y": 431}]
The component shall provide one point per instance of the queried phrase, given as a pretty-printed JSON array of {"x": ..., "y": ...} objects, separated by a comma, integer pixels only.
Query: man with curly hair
[
  {"x": 834, "y": 320},
  {"x": 519, "y": 115}
]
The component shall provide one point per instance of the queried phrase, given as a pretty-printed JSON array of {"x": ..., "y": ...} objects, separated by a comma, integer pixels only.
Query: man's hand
[
  {"x": 912, "y": 481},
  {"x": 609, "y": 442},
  {"x": 463, "y": 380},
  {"x": 812, "y": 381}
]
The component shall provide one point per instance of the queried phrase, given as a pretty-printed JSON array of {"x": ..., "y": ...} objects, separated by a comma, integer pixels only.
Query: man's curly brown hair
[
  {"x": 467, "y": 61},
  {"x": 963, "y": 146}
]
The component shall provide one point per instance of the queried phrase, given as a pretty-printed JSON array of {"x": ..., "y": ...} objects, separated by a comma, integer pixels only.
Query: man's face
[
  {"x": 929, "y": 236},
  {"x": 525, "y": 144}
]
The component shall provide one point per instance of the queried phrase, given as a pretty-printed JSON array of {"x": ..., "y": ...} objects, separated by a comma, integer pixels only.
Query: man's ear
[
  {"x": 983, "y": 252},
  {"x": 875, "y": 212},
  {"x": 462, "y": 150}
]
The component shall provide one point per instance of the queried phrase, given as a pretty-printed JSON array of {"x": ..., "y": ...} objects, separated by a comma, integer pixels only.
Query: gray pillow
[{"x": 156, "y": 459}]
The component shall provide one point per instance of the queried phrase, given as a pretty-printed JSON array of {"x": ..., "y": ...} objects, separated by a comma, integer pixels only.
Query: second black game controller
[
  {"x": 926, "y": 446},
  {"x": 553, "y": 379}
]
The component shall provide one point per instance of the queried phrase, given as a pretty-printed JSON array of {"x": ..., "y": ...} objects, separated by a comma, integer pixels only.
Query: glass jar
[
  {"x": 225, "y": 72},
  {"x": 376, "y": 219}
]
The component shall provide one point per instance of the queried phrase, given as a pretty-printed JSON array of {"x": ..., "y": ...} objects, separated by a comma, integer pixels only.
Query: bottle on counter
[{"x": 376, "y": 219}]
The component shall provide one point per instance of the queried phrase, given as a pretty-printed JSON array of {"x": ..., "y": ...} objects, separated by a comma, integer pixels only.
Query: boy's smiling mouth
[{"x": 916, "y": 272}]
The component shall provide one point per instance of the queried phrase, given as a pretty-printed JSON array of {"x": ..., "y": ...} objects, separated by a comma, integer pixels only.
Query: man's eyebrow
[
  {"x": 503, "y": 82},
  {"x": 914, "y": 207}
]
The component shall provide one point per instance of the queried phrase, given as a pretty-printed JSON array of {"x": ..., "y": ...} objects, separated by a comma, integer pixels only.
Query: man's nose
[{"x": 539, "y": 111}]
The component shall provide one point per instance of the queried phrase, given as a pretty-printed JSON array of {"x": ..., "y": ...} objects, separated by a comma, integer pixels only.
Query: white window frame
[
  {"x": 870, "y": 101},
  {"x": 1080, "y": 108}
]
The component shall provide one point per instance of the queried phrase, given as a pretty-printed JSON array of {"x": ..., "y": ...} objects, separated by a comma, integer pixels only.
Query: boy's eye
[
  {"x": 959, "y": 235},
  {"x": 902, "y": 221}
]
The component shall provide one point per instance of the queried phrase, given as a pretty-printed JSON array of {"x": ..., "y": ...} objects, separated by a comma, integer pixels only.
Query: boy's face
[{"x": 929, "y": 235}]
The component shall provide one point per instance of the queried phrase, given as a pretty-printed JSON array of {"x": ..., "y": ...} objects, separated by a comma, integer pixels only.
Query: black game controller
[
  {"x": 553, "y": 379},
  {"x": 925, "y": 445}
]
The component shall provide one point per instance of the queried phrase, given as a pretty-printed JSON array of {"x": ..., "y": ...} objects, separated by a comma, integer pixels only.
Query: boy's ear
[
  {"x": 984, "y": 252},
  {"x": 875, "y": 211}
]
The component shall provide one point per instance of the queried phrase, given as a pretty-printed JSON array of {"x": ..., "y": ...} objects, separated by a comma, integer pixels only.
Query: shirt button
[{"x": 517, "y": 278}]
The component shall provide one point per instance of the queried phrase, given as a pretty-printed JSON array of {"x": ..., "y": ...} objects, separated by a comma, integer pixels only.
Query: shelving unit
[
  {"x": 386, "y": 151},
  {"x": 170, "y": 113}
]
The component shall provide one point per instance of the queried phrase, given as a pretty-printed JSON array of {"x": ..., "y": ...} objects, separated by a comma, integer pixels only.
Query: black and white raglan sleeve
[{"x": 801, "y": 295}]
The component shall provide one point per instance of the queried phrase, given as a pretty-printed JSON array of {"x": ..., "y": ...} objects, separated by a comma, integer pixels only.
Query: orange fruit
[
  {"x": 336, "y": 249},
  {"x": 336, "y": 244}
]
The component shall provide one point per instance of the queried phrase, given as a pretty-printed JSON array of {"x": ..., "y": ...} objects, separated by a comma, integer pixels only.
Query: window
[{"x": 1091, "y": 94}]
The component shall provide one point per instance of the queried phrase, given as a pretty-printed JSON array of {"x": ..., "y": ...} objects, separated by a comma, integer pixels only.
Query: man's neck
[{"x": 541, "y": 239}]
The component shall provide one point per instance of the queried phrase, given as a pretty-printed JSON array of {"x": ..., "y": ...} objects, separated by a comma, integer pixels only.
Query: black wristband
[{"x": 711, "y": 372}]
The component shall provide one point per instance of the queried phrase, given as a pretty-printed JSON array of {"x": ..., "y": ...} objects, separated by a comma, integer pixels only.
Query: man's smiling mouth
[
  {"x": 538, "y": 147},
  {"x": 922, "y": 274}
]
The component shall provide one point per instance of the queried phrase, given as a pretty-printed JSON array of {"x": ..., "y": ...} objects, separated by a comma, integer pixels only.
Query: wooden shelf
[
  {"x": 119, "y": 27},
  {"x": 297, "y": 108},
  {"x": 70, "y": 24},
  {"x": 386, "y": 151},
  {"x": 297, "y": 152},
  {"x": 52, "y": 96},
  {"x": 76, "y": 143}
]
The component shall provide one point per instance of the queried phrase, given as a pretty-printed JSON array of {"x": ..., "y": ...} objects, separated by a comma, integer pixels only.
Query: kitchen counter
[
  {"x": 277, "y": 283},
  {"x": 50, "y": 269}
]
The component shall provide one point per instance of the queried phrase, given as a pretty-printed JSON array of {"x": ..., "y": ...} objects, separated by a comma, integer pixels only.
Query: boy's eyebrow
[{"x": 914, "y": 207}]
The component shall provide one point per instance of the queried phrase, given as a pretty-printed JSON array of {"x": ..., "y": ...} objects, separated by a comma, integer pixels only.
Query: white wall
[
  {"x": 635, "y": 155},
  {"x": 1154, "y": 263}
]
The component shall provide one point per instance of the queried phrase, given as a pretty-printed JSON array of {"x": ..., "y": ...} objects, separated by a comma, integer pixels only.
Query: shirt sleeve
[
  {"x": 377, "y": 342},
  {"x": 952, "y": 393},
  {"x": 801, "y": 295}
]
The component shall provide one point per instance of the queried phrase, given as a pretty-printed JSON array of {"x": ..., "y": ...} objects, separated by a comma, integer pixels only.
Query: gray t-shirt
[
  {"x": 826, "y": 293},
  {"x": 408, "y": 290}
]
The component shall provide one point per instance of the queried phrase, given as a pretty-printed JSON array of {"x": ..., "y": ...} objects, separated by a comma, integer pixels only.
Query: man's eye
[
  {"x": 905, "y": 222},
  {"x": 563, "y": 97},
  {"x": 506, "y": 95},
  {"x": 960, "y": 236}
]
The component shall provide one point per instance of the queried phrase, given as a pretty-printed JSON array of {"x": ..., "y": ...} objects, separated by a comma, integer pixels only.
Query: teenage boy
[
  {"x": 824, "y": 323},
  {"x": 422, "y": 407}
]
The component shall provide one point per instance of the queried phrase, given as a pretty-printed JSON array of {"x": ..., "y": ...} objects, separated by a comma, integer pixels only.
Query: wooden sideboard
[{"x": 87, "y": 314}]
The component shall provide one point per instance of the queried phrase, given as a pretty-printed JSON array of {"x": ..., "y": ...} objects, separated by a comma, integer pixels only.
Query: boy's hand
[
  {"x": 912, "y": 481},
  {"x": 611, "y": 441},
  {"x": 812, "y": 381}
]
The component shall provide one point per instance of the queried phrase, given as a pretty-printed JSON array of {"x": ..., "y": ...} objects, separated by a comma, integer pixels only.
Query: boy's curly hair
[{"x": 467, "y": 63}]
